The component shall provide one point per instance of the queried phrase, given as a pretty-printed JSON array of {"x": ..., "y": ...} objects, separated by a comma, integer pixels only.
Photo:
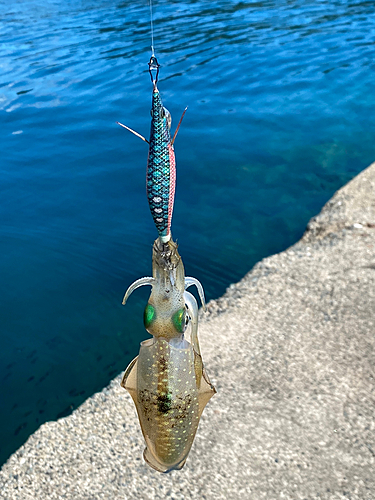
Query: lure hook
[{"x": 153, "y": 65}]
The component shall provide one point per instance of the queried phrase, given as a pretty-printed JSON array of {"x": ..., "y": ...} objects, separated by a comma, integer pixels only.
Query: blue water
[{"x": 281, "y": 114}]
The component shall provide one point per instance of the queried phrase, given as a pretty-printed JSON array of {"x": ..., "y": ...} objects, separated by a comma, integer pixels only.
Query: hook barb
[
  {"x": 178, "y": 126},
  {"x": 133, "y": 132}
]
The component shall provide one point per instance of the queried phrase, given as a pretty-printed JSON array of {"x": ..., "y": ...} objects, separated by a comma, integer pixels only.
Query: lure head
[
  {"x": 161, "y": 117},
  {"x": 165, "y": 312}
]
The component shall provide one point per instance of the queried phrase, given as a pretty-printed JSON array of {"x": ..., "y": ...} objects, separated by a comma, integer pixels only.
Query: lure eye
[
  {"x": 151, "y": 113},
  {"x": 168, "y": 116}
]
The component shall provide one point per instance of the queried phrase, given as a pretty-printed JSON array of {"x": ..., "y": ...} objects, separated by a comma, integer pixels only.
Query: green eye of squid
[
  {"x": 179, "y": 320},
  {"x": 148, "y": 315}
]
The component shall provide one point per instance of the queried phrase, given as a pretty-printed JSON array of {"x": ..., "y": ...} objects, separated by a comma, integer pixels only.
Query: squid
[{"x": 167, "y": 380}]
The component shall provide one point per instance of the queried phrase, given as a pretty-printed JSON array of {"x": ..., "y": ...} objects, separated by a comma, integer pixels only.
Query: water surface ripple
[{"x": 281, "y": 100}]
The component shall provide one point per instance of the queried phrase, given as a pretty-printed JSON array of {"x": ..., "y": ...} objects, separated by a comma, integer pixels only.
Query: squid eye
[
  {"x": 149, "y": 315},
  {"x": 179, "y": 320}
]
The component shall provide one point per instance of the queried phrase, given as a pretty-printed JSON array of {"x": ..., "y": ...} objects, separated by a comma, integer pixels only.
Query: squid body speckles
[{"x": 167, "y": 381}]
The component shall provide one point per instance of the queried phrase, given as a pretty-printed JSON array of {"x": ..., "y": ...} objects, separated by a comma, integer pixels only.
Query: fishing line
[{"x": 152, "y": 31}]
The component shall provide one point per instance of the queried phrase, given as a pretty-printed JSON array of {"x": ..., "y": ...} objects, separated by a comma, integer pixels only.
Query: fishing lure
[
  {"x": 167, "y": 380},
  {"x": 161, "y": 163}
]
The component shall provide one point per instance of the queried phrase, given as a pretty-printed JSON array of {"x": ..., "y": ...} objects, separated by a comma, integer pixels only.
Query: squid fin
[
  {"x": 129, "y": 380},
  {"x": 205, "y": 392},
  {"x": 205, "y": 389}
]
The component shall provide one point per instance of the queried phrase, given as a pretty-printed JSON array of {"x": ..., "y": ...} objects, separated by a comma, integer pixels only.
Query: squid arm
[
  {"x": 189, "y": 281},
  {"x": 192, "y": 307},
  {"x": 141, "y": 282}
]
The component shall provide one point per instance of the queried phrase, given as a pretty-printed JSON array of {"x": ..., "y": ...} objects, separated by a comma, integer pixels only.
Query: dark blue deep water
[{"x": 281, "y": 114}]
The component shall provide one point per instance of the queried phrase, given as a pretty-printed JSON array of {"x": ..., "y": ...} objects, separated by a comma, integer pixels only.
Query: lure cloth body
[
  {"x": 161, "y": 168},
  {"x": 167, "y": 381}
]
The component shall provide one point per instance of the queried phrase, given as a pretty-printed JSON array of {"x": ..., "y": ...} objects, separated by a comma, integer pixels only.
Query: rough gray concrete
[{"x": 290, "y": 349}]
